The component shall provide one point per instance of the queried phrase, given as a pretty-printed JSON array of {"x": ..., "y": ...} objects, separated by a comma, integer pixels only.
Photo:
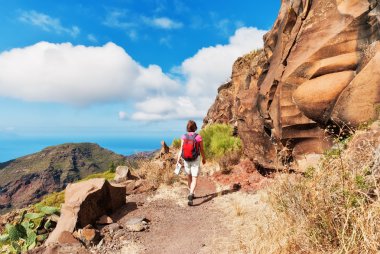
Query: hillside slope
[{"x": 26, "y": 179}]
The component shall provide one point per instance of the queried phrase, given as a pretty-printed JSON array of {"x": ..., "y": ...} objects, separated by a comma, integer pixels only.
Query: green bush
[
  {"x": 218, "y": 140},
  {"x": 176, "y": 143},
  {"x": 54, "y": 199},
  {"x": 108, "y": 175}
]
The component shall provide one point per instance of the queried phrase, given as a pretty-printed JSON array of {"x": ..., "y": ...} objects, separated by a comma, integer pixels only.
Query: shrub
[
  {"x": 156, "y": 174},
  {"x": 108, "y": 175},
  {"x": 218, "y": 140},
  {"x": 228, "y": 160},
  {"x": 29, "y": 230},
  {"x": 54, "y": 199},
  {"x": 112, "y": 167},
  {"x": 176, "y": 143}
]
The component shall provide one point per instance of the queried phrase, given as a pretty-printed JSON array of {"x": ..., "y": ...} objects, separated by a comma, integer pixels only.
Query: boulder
[
  {"x": 85, "y": 202},
  {"x": 121, "y": 174}
]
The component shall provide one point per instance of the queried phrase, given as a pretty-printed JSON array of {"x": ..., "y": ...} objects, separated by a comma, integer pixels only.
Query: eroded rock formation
[
  {"x": 319, "y": 66},
  {"x": 85, "y": 202}
]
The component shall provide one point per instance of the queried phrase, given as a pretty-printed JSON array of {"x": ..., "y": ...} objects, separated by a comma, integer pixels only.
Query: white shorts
[{"x": 192, "y": 167}]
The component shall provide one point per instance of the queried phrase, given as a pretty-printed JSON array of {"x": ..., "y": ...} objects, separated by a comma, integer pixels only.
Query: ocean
[{"x": 14, "y": 147}]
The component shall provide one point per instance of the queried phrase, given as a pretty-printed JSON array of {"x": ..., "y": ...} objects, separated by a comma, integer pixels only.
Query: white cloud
[
  {"x": 163, "y": 23},
  {"x": 78, "y": 75},
  {"x": 211, "y": 66},
  {"x": 47, "y": 23},
  {"x": 122, "y": 115},
  {"x": 166, "y": 108},
  {"x": 203, "y": 74}
]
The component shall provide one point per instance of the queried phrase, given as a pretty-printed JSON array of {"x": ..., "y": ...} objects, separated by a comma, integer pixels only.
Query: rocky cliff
[
  {"x": 26, "y": 179},
  {"x": 319, "y": 67}
]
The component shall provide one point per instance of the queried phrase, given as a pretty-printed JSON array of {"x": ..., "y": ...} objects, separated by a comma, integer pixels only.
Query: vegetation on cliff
[{"x": 219, "y": 141}]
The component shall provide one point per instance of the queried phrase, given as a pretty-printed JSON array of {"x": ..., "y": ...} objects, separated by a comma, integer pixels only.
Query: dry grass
[
  {"x": 228, "y": 160},
  {"x": 337, "y": 204},
  {"x": 249, "y": 219},
  {"x": 333, "y": 208},
  {"x": 156, "y": 172}
]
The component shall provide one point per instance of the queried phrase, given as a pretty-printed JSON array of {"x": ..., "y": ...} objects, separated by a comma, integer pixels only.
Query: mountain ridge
[{"x": 26, "y": 179}]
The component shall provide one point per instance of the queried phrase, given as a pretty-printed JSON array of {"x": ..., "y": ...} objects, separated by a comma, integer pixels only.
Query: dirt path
[{"x": 175, "y": 227}]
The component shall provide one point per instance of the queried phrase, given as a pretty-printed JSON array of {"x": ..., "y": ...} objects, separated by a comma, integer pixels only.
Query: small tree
[{"x": 112, "y": 167}]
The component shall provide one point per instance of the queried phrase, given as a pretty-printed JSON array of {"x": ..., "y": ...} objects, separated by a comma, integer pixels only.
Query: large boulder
[
  {"x": 319, "y": 66},
  {"x": 85, "y": 202}
]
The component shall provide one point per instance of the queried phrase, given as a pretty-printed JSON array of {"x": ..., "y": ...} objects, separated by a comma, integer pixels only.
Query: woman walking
[{"x": 191, "y": 148}]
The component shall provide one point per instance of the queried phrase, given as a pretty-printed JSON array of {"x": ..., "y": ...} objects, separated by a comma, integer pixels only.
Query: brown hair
[{"x": 191, "y": 126}]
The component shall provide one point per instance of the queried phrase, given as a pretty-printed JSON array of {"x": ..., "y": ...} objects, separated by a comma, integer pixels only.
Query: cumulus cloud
[
  {"x": 163, "y": 23},
  {"x": 78, "y": 75},
  {"x": 211, "y": 66},
  {"x": 203, "y": 73},
  {"x": 47, "y": 23},
  {"x": 166, "y": 108}
]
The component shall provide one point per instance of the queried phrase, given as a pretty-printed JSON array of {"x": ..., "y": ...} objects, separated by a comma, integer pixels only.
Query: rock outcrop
[
  {"x": 319, "y": 67},
  {"x": 85, "y": 203}
]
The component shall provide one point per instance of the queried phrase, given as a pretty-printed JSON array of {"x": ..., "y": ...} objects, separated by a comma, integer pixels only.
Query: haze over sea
[{"x": 14, "y": 147}]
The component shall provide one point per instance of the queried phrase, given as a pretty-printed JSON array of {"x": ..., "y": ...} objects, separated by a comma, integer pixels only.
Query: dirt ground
[{"x": 174, "y": 227}]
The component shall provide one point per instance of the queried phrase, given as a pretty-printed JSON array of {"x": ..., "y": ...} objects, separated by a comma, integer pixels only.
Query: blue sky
[{"x": 121, "y": 67}]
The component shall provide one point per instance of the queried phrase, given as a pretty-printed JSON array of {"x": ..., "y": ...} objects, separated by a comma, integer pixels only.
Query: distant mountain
[{"x": 26, "y": 179}]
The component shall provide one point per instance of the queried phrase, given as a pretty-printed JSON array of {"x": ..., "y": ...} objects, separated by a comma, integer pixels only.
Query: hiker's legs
[
  {"x": 193, "y": 184},
  {"x": 189, "y": 178}
]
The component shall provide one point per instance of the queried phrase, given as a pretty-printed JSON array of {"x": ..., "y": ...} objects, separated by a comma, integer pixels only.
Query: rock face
[
  {"x": 319, "y": 66},
  {"x": 25, "y": 180},
  {"x": 85, "y": 202}
]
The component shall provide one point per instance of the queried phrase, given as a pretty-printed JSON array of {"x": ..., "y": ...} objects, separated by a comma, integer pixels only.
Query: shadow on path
[
  {"x": 209, "y": 197},
  {"x": 124, "y": 210}
]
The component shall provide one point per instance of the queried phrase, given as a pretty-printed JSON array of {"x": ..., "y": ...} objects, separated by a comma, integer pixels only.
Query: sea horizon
[{"x": 14, "y": 147}]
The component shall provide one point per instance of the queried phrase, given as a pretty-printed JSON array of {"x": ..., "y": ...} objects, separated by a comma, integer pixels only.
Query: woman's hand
[{"x": 203, "y": 160}]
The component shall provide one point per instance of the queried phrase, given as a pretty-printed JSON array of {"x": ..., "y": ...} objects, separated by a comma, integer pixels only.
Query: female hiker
[{"x": 191, "y": 148}]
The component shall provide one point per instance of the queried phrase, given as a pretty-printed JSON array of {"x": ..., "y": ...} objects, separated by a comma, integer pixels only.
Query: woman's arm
[
  {"x": 180, "y": 151},
  {"x": 202, "y": 153}
]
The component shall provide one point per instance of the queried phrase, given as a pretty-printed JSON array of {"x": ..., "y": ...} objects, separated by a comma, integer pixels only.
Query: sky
[{"x": 119, "y": 67}]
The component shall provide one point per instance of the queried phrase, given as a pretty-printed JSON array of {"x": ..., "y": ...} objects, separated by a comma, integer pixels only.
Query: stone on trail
[
  {"x": 85, "y": 202},
  {"x": 136, "y": 224}
]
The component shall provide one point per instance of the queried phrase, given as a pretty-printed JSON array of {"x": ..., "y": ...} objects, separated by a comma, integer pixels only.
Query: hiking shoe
[{"x": 190, "y": 198}]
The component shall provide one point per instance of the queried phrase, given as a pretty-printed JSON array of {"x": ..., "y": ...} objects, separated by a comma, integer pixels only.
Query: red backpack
[{"x": 190, "y": 148}]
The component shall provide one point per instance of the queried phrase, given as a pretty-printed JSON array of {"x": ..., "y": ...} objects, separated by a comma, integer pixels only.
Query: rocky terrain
[
  {"x": 318, "y": 68},
  {"x": 25, "y": 180}
]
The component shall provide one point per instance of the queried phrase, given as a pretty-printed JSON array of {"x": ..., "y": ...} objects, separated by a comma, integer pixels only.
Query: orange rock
[{"x": 67, "y": 237}]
